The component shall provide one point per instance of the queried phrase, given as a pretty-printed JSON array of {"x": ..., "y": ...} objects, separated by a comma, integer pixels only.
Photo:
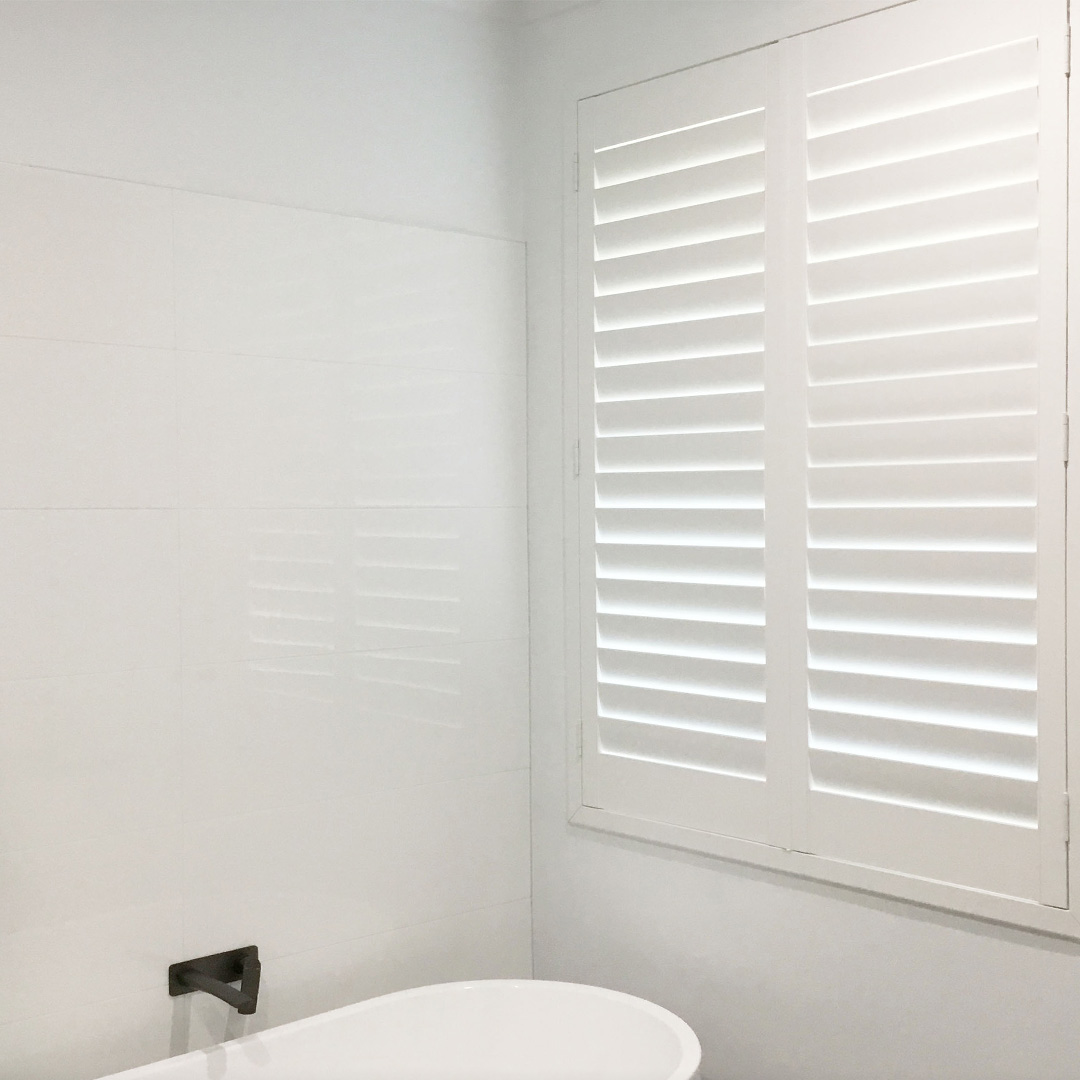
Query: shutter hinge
[
  {"x": 577, "y": 458},
  {"x": 577, "y": 171},
  {"x": 1065, "y": 438},
  {"x": 1065, "y": 801},
  {"x": 1068, "y": 51},
  {"x": 579, "y": 741}
]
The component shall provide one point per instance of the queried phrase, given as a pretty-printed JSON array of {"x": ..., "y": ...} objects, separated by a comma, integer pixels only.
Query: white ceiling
[{"x": 514, "y": 11}]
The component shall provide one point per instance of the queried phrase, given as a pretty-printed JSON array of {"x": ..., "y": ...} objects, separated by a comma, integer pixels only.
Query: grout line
[
  {"x": 180, "y": 743},
  {"x": 315, "y": 508},
  {"x": 150, "y": 988},
  {"x": 366, "y": 797},
  {"x": 398, "y": 929},
  {"x": 181, "y": 665},
  {"x": 529, "y": 632},
  {"x": 382, "y": 220},
  {"x": 366, "y": 363},
  {"x": 262, "y": 811}
]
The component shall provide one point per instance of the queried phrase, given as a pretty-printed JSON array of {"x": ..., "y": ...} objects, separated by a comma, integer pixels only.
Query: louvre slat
[
  {"x": 685, "y": 187},
  {"x": 983, "y": 348},
  {"x": 980, "y": 74},
  {"x": 679, "y": 303},
  {"x": 954, "y": 172},
  {"x": 658, "y": 562},
  {"x": 981, "y": 528},
  {"x": 1005, "y": 392},
  {"x": 960, "y": 573},
  {"x": 707, "y": 751},
  {"x": 681, "y": 637},
  {"x": 973, "y": 618},
  {"x": 704, "y": 527},
  {"x": 936, "y": 307},
  {"x": 681, "y": 341},
  {"x": 736, "y": 488},
  {"x": 681, "y": 378},
  {"x": 708, "y": 261},
  {"x": 979, "y": 438},
  {"x": 984, "y": 483},
  {"x": 675, "y": 708},
  {"x": 700, "y": 413},
  {"x": 1001, "y": 255},
  {"x": 989, "y": 708},
  {"x": 733, "y": 678},
  {"x": 742, "y": 215},
  {"x": 934, "y": 221},
  {"x": 924, "y": 743},
  {"x": 738, "y": 605},
  {"x": 665, "y": 152},
  {"x": 952, "y": 791},
  {"x": 664, "y": 453},
  {"x": 1003, "y": 116},
  {"x": 976, "y": 663}
]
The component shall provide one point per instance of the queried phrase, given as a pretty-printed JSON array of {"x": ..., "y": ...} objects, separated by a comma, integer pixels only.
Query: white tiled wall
[{"x": 263, "y": 656}]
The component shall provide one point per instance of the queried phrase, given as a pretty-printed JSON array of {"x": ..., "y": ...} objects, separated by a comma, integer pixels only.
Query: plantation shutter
[
  {"x": 821, "y": 452},
  {"x": 934, "y": 154},
  {"x": 672, "y": 467}
]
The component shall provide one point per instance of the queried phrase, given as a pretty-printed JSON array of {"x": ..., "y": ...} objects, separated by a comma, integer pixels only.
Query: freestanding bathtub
[{"x": 489, "y": 1030}]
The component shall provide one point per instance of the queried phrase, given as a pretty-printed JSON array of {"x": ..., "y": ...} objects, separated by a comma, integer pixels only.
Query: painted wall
[
  {"x": 782, "y": 980},
  {"x": 263, "y": 655},
  {"x": 395, "y": 109}
]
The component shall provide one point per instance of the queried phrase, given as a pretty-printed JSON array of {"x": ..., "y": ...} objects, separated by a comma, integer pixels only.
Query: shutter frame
[{"x": 784, "y": 825}]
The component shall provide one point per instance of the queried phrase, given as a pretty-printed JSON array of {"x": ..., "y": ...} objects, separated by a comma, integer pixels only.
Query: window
[{"x": 821, "y": 501}]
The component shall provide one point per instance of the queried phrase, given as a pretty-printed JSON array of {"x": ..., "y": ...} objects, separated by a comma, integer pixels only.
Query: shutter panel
[
  {"x": 935, "y": 481},
  {"x": 672, "y": 249},
  {"x": 821, "y": 478}
]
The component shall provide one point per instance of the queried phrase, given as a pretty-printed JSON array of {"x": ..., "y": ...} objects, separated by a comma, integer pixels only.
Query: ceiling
[{"x": 514, "y": 11}]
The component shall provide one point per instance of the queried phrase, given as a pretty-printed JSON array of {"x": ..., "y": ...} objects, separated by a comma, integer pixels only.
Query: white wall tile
[
  {"x": 87, "y": 755},
  {"x": 262, "y": 583},
  {"x": 45, "y": 886},
  {"x": 88, "y": 959},
  {"x": 354, "y": 867},
  {"x": 92, "y": 1039},
  {"x": 275, "y": 281},
  {"x": 271, "y": 733},
  {"x": 435, "y": 438},
  {"x": 436, "y": 300},
  {"x": 347, "y": 776},
  {"x": 86, "y": 425},
  {"x": 90, "y": 920},
  {"x": 257, "y": 431},
  {"x": 258, "y": 279},
  {"x": 87, "y": 590},
  {"x": 261, "y": 432},
  {"x": 84, "y": 259}
]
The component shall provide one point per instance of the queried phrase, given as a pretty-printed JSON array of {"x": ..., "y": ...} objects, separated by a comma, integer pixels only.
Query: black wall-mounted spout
[{"x": 212, "y": 974}]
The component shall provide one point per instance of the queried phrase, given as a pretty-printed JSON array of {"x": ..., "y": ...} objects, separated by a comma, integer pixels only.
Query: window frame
[{"x": 577, "y": 506}]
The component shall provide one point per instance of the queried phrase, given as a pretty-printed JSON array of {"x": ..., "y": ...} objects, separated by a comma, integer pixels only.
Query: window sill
[{"x": 984, "y": 906}]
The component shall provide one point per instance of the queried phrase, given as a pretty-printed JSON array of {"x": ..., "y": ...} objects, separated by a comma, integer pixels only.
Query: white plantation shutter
[
  {"x": 828, "y": 386},
  {"x": 673, "y": 469},
  {"x": 935, "y": 369}
]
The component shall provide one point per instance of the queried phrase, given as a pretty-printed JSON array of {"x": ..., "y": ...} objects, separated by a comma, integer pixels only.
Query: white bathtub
[{"x": 493, "y": 1030}]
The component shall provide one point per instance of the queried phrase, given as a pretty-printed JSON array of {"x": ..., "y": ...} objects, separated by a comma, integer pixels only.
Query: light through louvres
[
  {"x": 923, "y": 437},
  {"x": 679, "y": 409}
]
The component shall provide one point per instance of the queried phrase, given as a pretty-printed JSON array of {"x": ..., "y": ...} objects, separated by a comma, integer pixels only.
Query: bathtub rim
[{"x": 689, "y": 1044}]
